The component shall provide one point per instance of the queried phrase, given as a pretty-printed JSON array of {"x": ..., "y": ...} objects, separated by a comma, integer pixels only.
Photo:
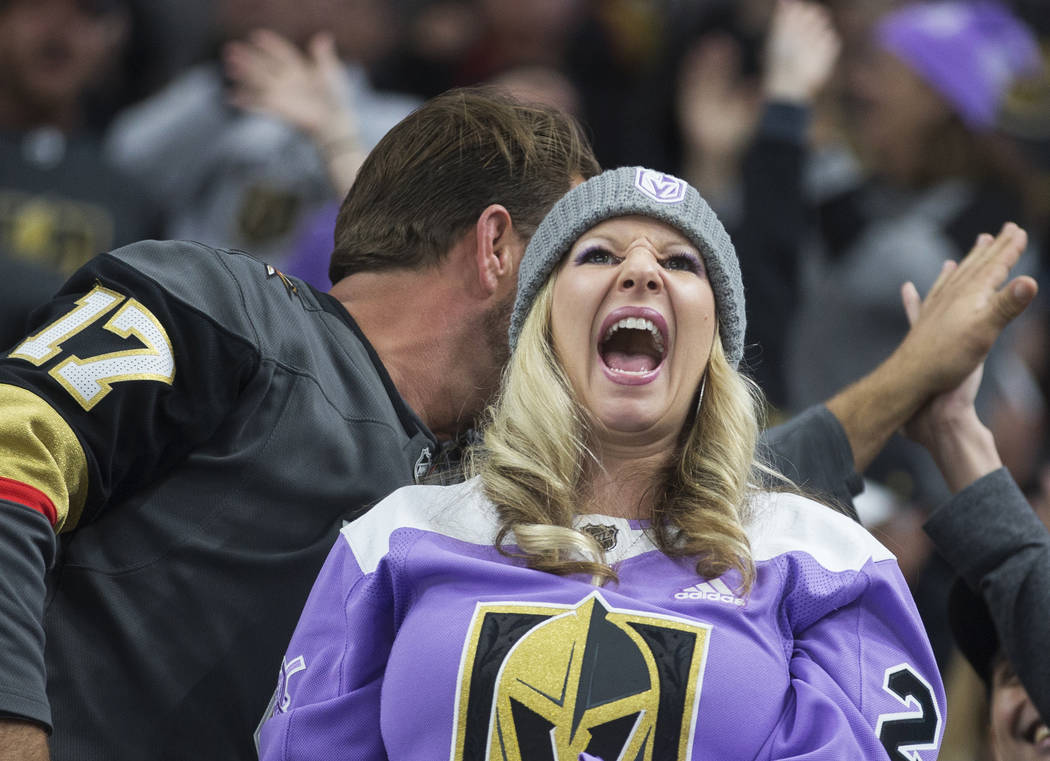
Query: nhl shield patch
[{"x": 604, "y": 534}]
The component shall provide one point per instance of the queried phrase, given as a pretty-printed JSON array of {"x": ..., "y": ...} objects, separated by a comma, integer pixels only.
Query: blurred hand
[
  {"x": 717, "y": 108},
  {"x": 801, "y": 50},
  {"x": 270, "y": 75}
]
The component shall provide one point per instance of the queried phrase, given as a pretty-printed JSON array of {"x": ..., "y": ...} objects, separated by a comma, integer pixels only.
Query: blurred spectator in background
[
  {"x": 1000, "y": 548},
  {"x": 516, "y": 32},
  {"x": 925, "y": 102},
  {"x": 541, "y": 84},
  {"x": 60, "y": 202},
  {"x": 233, "y": 178},
  {"x": 714, "y": 72},
  {"x": 1018, "y": 728},
  {"x": 435, "y": 35},
  {"x": 1021, "y": 422},
  {"x": 934, "y": 173},
  {"x": 306, "y": 91},
  {"x": 163, "y": 37},
  {"x": 926, "y": 170},
  {"x": 743, "y": 107},
  {"x": 462, "y": 42},
  {"x": 604, "y": 49}
]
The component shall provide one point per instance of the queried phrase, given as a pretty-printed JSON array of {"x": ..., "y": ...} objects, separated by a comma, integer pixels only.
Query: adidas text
[{"x": 715, "y": 592}]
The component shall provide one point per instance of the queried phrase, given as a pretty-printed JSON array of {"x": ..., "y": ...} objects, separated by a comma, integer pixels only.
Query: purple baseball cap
[{"x": 969, "y": 52}]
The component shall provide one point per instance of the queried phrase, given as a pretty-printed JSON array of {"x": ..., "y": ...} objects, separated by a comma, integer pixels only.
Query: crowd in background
[{"x": 843, "y": 160}]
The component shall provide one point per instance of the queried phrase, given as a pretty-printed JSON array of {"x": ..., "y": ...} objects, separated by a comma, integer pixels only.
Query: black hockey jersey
[{"x": 197, "y": 427}]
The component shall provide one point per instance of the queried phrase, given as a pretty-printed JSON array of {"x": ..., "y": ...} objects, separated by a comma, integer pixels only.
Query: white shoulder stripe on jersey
[
  {"x": 784, "y": 523},
  {"x": 458, "y": 511},
  {"x": 779, "y": 524}
]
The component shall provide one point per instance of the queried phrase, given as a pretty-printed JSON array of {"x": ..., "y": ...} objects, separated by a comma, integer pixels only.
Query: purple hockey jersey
[{"x": 421, "y": 641}]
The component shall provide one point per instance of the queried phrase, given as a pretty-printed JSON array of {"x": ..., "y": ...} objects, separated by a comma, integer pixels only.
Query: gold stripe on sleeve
[{"x": 38, "y": 448}]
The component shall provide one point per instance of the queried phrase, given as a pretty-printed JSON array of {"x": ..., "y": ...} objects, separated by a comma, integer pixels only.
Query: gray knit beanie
[{"x": 636, "y": 190}]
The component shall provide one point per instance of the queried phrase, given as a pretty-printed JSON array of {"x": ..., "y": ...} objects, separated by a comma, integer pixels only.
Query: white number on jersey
[{"x": 88, "y": 380}]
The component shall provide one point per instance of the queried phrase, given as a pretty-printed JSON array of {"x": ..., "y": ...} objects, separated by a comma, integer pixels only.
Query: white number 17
[{"x": 89, "y": 380}]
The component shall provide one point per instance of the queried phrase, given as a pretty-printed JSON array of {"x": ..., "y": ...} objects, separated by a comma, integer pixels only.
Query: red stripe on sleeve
[{"x": 33, "y": 498}]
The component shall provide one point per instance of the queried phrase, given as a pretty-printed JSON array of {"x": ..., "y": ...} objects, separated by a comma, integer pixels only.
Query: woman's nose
[{"x": 640, "y": 270}]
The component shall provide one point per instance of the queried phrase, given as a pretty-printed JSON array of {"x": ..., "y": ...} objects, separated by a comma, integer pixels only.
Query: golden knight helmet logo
[{"x": 550, "y": 683}]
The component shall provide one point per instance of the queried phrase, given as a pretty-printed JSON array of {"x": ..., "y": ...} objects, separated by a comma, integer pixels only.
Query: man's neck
[{"x": 419, "y": 323}]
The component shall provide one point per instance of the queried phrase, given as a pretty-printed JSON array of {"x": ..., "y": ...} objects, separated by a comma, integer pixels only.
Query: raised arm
[
  {"x": 800, "y": 54},
  {"x": 987, "y": 531},
  {"x": 308, "y": 90},
  {"x": 965, "y": 311},
  {"x": 826, "y": 447}
]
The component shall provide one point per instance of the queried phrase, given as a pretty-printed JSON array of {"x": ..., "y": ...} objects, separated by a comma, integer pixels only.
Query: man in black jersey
[{"x": 186, "y": 429}]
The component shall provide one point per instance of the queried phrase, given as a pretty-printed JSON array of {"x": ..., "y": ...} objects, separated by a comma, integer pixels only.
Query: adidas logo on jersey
[{"x": 715, "y": 590}]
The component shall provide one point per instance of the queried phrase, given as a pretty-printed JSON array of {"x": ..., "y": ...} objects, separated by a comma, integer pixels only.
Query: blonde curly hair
[{"x": 536, "y": 452}]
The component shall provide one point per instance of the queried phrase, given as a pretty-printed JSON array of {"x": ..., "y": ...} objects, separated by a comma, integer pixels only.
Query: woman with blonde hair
[{"x": 614, "y": 582}]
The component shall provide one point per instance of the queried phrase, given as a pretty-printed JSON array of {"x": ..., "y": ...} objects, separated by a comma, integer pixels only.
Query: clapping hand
[{"x": 952, "y": 331}]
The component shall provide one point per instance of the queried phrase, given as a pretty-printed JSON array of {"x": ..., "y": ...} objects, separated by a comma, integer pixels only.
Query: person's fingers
[
  {"x": 236, "y": 57},
  {"x": 980, "y": 248},
  {"x": 1015, "y": 298},
  {"x": 246, "y": 66},
  {"x": 985, "y": 249},
  {"x": 1009, "y": 245},
  {"x": 990, "y": 267},
  {"x": 911, "y": 301},
  {"x": 1002, "y": 251},
  {"x": 947, "y": 268},
  {"x": 253, "y": 60},
  {"x": 322, "y": 47},
  {"x": 277, "y": 48},
  {"x": 829, "y": 46},
  {"x": 781, "y": 11},
  {"x": 804, "y": 21},
  {"x": 324, "y": 54},
  {"x": 816, "y": 18}
]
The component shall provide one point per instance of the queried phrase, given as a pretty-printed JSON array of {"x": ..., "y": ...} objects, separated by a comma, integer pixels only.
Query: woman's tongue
[{"x": 631, "y": 362}]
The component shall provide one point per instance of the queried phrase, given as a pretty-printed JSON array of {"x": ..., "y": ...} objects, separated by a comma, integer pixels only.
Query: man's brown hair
[{"x": 428, "y": 180}]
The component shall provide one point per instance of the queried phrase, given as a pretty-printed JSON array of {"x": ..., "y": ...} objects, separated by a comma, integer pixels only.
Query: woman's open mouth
[{"x": 633, "y": 345}]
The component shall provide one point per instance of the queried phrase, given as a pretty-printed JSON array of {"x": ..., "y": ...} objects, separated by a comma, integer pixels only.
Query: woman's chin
[{"x": 643, "y": 426}]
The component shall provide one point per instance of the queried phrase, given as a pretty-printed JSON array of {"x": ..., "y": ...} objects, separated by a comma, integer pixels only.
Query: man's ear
[{"x": 494, "y": 256}]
